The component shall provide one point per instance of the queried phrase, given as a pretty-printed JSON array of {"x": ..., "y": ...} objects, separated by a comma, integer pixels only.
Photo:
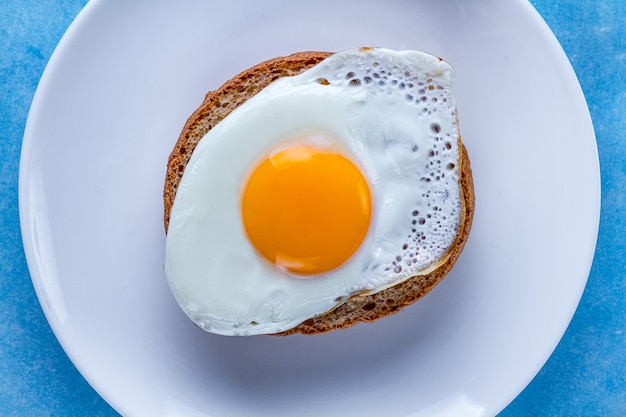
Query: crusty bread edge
[{"x": 359, "y": 308}]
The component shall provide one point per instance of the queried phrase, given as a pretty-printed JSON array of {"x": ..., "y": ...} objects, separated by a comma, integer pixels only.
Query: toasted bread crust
[{"x": 361, "y": 308}]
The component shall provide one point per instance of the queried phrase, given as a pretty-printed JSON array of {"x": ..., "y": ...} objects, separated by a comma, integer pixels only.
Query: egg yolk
[{"x": 306, "y": 210}]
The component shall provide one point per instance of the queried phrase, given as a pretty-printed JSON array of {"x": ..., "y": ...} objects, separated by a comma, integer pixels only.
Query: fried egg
[{"x": 341, "y": 180}]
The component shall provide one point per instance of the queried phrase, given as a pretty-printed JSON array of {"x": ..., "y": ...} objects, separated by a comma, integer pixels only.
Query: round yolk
[{"x": 306, "y": 210}]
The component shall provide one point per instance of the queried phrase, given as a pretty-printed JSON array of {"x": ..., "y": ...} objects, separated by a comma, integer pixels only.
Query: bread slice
[{"x": 360, "y": 308}]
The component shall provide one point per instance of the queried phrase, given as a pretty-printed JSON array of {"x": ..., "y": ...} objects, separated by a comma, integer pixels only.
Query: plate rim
[{"x": 24, "y": 181}]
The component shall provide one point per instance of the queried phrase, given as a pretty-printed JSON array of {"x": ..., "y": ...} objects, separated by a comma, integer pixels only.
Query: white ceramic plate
[{"x": 107, "y": 112}]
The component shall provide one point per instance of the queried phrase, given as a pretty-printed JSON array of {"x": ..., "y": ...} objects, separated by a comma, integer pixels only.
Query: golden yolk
[{"x": 306, "y": 210}]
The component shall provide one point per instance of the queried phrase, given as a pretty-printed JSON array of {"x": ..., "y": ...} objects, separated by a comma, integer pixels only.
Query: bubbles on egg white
[
  {"x": 432, "y": 232},
  {"x": 389, "y": 78}
]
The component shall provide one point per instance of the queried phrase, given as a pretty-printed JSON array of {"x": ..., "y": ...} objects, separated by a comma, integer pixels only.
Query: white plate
[{"x": 107, "y": 112}]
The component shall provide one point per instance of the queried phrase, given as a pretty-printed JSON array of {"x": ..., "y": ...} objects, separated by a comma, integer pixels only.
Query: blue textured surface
[{"x": 586, "y": 375}]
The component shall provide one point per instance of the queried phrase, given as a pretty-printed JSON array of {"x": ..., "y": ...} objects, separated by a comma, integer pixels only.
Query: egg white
[{"x": 401, "y": 137}]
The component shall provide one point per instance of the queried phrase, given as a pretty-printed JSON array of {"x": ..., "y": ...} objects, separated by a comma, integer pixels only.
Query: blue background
[{"x": 585, "y": 376}]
